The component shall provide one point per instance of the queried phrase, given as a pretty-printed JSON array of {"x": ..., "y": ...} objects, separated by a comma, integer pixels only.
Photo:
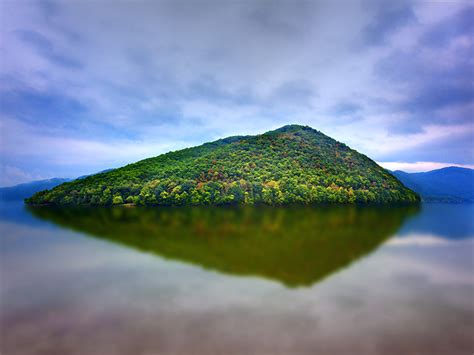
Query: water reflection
[
  {"x": 296, "y": 246},
  {"x": 413, "y": 295},
  {"x": 446, "y": 221}
]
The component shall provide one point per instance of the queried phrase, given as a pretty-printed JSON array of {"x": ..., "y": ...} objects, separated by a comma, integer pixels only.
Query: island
[{"x": 290, "y": 165}]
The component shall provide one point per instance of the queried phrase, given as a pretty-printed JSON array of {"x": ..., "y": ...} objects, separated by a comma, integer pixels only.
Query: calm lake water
[{"x": 296, "y": 280}]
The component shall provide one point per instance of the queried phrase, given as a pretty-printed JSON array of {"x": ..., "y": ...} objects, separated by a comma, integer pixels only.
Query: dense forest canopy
[{"x": 293, "y": 164}]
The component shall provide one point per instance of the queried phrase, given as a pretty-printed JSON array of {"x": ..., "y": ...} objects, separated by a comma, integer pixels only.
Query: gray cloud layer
[{"x": 393, "y": 80}]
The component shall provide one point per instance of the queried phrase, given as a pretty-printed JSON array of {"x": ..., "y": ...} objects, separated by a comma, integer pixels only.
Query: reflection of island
[{"x": 297, "y": 246}]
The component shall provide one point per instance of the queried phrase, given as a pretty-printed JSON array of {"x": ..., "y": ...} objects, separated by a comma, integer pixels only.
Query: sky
[{"x": 90, "y": 85}]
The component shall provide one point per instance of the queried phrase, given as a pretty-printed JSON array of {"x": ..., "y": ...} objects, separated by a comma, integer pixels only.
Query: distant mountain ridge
[
  {"x": 21, "y": 191},
  {"x": 451, "y": 184},
  {"x": 292, "y": 164}
]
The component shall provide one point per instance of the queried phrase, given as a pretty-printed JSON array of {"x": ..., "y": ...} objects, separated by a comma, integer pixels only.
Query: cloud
[
  {"x": 42, "y": 108},
  {"x": 459, "y": 25},
  {"x": 168, "y": 74},
  {"x": 436, "y": 81},
  {"x": 388, "y": 18},
  {"x": 344, "y": 108},
  {"x": 12, "y": 175},
  {"x": 299, "y": 93},
  {"x": 43, "y": 153},
  {"x": 45, "y": 48},
  {"x": 453, "y": 145}
]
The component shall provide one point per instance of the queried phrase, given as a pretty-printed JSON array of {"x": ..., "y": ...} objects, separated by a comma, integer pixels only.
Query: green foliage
[{"x": 293, "y": 164}]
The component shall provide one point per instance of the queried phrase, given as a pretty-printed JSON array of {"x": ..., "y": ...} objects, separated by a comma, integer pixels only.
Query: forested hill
[{"x": 293, "y": 164}]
